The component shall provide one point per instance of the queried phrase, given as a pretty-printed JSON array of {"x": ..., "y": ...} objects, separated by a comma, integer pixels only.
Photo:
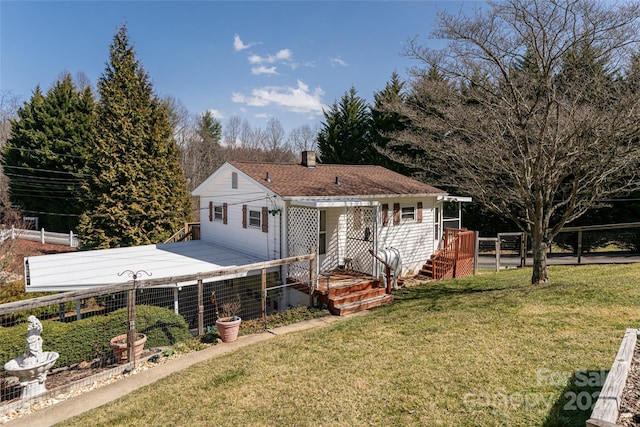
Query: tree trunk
[{"x": 539, "y": 247}]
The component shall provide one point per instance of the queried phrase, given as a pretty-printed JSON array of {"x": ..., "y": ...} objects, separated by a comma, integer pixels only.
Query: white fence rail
[{"x": 41, "y": 236}]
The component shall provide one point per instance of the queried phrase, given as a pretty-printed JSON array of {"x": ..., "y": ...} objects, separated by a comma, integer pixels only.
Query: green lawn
[{"x": 491, "y": 350}]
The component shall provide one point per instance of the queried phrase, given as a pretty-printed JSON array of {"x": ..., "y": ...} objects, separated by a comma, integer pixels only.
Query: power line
[{"x": 41, "y": 151}]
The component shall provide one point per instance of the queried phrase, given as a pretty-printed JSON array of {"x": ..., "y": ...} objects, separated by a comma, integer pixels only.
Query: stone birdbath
[{"x": 32, "y": 367}]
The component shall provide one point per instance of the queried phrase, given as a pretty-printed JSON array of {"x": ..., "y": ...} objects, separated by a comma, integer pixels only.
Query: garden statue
[{"x": 31, "y": 368}]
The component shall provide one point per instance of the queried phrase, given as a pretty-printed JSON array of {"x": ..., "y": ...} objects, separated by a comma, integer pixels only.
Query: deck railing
[
  {"x": 455, "y": 259},
  {"x": 190, "y": 231}
]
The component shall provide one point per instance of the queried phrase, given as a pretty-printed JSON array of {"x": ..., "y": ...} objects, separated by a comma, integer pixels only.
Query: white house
[
  {"x": 274, "y": 210},
  {"x": 256, "y": 212}
]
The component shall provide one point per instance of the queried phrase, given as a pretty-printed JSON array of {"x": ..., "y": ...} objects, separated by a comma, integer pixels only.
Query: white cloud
[
  {"x": 263, "y": 70},
  {"x": 281, "y": 55},
  {"x": 261, "y": 116},
  {"x": 338, "y": 61},
  {"x": 216, "y": 113},
  {"x": 238, "y": 44},
  {"x": 293, "y": 99}
]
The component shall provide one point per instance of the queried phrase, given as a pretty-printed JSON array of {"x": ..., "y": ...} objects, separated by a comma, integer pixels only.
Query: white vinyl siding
[
  {"x": 232, "y": 235},
  {"x": 411, "y": 236}
]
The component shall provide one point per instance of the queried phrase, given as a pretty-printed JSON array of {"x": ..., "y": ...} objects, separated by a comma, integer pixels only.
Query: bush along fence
[
  {"x": 80, "y": 325},
  {"x": 41, "y": 236}
]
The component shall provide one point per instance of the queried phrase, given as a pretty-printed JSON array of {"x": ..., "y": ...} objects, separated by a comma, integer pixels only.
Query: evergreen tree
[
  {"x": 384, "y": 122},
  {"x": 345, "y": 137},
  {"x": 46, "y": 154},
  {"x": 137, "y": 194}
]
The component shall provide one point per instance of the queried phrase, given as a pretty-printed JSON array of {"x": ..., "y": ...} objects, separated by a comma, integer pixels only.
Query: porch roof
[
  {"x": 332, "y": 203},
  {"x": 72, "y": 271}
]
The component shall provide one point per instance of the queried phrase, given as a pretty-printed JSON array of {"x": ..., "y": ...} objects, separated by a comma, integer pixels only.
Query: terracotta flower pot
[
  {"x": 228, "y": 328},
  {"x": 119, "y": 346}
]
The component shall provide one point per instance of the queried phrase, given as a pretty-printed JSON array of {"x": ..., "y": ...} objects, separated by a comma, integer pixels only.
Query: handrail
[
  {"x": 183, "y": 233},
  {"x": 387, "y": 269}
]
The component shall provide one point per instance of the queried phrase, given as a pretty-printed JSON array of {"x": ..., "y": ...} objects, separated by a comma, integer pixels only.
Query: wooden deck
[{"x": 336, "y": 279}]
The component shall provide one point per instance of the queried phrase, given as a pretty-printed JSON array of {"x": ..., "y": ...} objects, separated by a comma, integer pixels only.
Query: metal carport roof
[{"x": 89, "y": 269}]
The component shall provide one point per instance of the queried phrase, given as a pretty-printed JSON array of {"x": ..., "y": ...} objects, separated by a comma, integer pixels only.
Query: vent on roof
[
  {"x": 309, "y": 159},
  {"x": 337, "y": 180},
  {"x": 266, "y": 178}
]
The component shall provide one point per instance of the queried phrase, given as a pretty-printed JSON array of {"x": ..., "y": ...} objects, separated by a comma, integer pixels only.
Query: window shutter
[
  {"x": 244, "y": 216},
  {"x": 210, "y": 211},
  {"x": 385, "y": 215},
  {"x": 265, "y": 220},
  {"x": 396, "y": 213},
  {"x": 419, "y": 212},
  {"x": 224, "y": 213}
]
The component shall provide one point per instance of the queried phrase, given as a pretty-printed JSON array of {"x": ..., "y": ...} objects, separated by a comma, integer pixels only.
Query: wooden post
[
  {"x": 498, "y": 253},
  {"x": 263, "y": 292},
  {"x": 579, "y": 245},
  {"x": 476, "y": 249},
  {"x": 388, "y": 271},
  {"x": 456, "y": 257},
  {"x": 313, "y": 276},
  {"x": 200, "y": 308},
  {"x": 131, "y": 318},
  {"x": 523, "y": 250}
]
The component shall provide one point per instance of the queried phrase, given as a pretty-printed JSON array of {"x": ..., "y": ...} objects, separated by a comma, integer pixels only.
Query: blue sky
[{"x": 256, "y": 60}]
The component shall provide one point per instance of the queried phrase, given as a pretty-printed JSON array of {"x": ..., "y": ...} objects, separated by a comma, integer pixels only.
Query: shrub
[{"x": 88, "y": 339}]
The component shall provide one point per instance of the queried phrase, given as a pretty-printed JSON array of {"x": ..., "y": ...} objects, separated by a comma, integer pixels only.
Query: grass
[{"x": 490, "y": 350}]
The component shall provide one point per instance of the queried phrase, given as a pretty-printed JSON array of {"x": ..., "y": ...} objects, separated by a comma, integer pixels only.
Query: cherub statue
[{"x": 33, "y": 353}]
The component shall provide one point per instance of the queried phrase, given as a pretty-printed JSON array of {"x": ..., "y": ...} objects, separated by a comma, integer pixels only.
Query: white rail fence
[{"x": 41, "y": 236}]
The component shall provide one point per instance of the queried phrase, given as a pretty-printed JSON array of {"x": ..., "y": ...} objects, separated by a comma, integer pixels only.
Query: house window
[
  {"x": 217, "y": 213},
  {"x": 322, "y": 237},
  {"x": 234, "y": 179},
  {"x": 408, "y": 213},
  {"x": 255, "y": 218}
]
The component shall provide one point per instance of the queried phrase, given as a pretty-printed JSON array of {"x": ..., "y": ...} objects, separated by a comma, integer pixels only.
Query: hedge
[{"x": 88, "y": 339}]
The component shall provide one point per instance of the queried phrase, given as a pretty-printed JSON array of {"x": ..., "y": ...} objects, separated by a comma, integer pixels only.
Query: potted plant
[
  {"x": 119, "y": 346},
  {"x": 227, "y": 320}
]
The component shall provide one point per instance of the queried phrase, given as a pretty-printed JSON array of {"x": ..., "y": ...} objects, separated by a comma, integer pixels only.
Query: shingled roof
[{"x": 296, "y": 180}]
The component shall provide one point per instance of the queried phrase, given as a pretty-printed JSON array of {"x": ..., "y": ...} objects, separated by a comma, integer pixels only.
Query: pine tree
[
  {"x": 46, "y": 154},
  {"x": 137, "y": 193},
  {"x": 386, "y": 123},
  {"x": 346, "y": 138}
]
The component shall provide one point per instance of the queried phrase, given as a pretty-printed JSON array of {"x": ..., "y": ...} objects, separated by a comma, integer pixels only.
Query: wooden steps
[
  {"x": 356, "y": 295},
  {"x": 445, "y": 267},
  {"x": 352, "y": 307}
]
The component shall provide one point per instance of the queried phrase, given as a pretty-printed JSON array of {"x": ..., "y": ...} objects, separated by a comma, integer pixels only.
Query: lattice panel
[
  {"x": 361, "y": 234},
  {"x": 302, "y": 235}
]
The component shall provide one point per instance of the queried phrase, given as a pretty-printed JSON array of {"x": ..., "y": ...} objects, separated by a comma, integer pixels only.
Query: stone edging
[
  {"x": 607, "y": 408},
  {"x": 66, "y": 388}
]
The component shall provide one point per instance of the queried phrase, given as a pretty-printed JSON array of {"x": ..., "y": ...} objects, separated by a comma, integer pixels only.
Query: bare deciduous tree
[
  {"x": 303, "y": 138},
  {"x": 535, "y": 118},
  {"x": 232, "y": 131}
]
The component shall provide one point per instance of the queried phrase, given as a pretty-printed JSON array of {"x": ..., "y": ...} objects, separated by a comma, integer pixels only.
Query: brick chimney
[{"x": 309, "y": 159}]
